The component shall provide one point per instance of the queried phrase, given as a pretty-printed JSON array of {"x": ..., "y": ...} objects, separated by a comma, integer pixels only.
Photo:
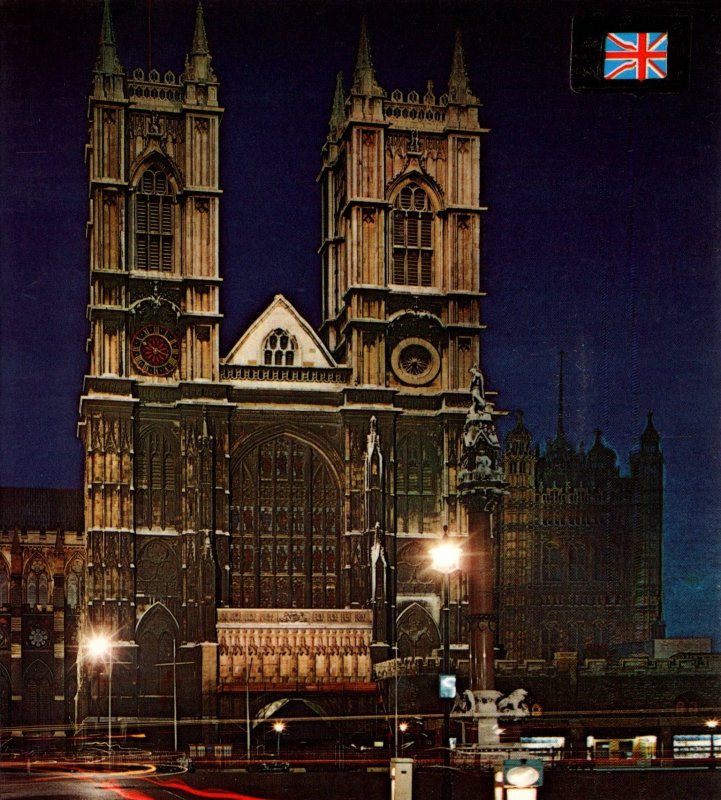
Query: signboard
[{"x": 447, "y": 686}]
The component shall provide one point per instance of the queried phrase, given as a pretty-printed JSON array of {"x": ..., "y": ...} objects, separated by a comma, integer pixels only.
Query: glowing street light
[
  {"x": 712, "y": 724},
  {"x": 98, "y": 647},
  {"x": 278, "y": 727},
  {"x": 446, "y": 558},
  {"x": 403, "y": 727}
]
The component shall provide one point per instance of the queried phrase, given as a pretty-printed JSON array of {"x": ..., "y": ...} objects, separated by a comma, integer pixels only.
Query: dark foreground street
[{"x": 667, "y": 784}]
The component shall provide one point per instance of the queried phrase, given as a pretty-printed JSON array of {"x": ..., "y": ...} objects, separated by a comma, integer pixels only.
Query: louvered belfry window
[
  {"x": 412, "y": 224},
  {"x": 154, "y": 223}
]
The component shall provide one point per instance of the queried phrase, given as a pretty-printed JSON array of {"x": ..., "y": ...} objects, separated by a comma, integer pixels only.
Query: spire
[
  {"x": 197, "y": 63},
  {"x": 459, "y": 87},
  {"x": 337, "y": 115},
  {"x": 364, "y": 76},
  {"x": 107, "y": 61},
  {"x": 649, "y": 438},
  {"x": 559, "y": 427},
  {"x": 200, "y": 39}
]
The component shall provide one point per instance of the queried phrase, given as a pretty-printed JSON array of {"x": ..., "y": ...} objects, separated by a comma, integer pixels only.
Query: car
[{"x": 275, "y": 766}]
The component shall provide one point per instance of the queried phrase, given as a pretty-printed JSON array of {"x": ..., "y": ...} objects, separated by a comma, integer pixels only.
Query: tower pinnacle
[
  {"x": 197, "y": 64},
  {"x": 337, "y": 114},
  {"x": 459, "y": 87},
  {"x": 107, "y": 61},
  {"x": 200, "y": 38},
  {"x": 364, "y": 76}
]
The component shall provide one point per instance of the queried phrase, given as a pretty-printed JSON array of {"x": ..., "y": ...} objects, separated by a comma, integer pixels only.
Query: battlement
[
  {"x": 152, "y": 87},
  {"x": 411, "y": 107}
]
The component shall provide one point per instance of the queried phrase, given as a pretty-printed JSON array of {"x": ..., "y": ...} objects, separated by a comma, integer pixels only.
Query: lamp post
[
  {"x": 712, "y": 724},
  {"x": 403, "y": 727},
  {"x": 278, "y": 727},
  {"x": 446, "y": 559},
  {"x": 100, "y": 646}
]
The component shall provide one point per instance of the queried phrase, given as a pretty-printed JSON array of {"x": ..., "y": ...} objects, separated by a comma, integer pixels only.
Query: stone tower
[
  {"x": 401, "y": 231},
  {"x": 150, "y": 422}
]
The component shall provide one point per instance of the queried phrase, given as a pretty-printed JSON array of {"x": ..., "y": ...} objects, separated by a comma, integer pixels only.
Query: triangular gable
[{"x": 309, "y": 350}]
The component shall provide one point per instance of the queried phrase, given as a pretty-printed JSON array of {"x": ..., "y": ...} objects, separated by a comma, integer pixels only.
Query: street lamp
[
  {"x": 446, "y": 557},
  {"x": 403, "y": 727},
  {"x": 278, "y": 727},
  {"x": 712, "y": 724},
  {"x": 100, "y": 646}
]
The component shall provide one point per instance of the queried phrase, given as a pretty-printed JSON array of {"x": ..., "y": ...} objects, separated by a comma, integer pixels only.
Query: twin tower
[{"x": 262, "y": 519}]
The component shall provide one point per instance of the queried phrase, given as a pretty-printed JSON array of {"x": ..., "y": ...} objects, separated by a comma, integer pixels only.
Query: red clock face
[{"x": 154, "y": 349}]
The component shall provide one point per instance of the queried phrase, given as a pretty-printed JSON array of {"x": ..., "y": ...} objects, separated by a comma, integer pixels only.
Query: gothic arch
[
  {"x": 75, "y": 582},
  {"x": 418, "y": 634},
  {"x": 37, "y": 582},
  {"x": 265, "y": 434},
  {"x": 37, "y": 693},
  {"x": 155, "y": 244},
  {"x": 157, "y": 635},
  {"x": 424, "y": 181},
  {"x": 286, "y": 523},
  {"x": 150, "y": 158},
  {"x": 415, "y": 241}
]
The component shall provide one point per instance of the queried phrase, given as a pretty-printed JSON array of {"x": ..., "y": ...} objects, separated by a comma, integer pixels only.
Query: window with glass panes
[
  {"x": 286, "y": 520},
  {"x": 154, "y": 222},
  {"x": 412, "y": 226}
]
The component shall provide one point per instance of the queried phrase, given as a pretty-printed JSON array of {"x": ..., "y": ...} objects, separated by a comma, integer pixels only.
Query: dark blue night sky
[{"x": 602, "y": 237}]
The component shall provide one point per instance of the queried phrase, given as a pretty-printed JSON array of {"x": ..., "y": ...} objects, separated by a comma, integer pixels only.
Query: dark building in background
[
  {"x": 579, "y": 548},
  {"x": 42, "y": 573}
]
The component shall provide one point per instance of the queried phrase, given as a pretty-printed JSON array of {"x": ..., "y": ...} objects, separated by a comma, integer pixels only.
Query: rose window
[
  {"x": 38, "y": 637},
  {"x": 415, "y": 361}
]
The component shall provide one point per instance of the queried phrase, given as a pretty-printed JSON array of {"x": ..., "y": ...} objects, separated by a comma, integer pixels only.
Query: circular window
[{"x": 415, "y": 361}]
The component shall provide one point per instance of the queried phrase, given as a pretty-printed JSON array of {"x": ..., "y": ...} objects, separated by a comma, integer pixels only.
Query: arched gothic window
[
  {"x": 36, "y": 584},
  {"x": 279, "y": 349},
  {"x": 418, "y": 483},
  {"x": 74, "y": 584},
  {"x": 417, "y": 632},
  {"x": 154, "y": 222},
  {"x": 552, "y": 563},
  {"x": 412, "y": 237},
  {"x": 286, "y": 520}
]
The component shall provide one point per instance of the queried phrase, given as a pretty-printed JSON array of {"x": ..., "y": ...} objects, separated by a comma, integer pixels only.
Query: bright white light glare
[
  {"x": 403, "y": 727},
  {"x": 99, "y": 646},
  {"x": 712, "y": 723},
  {"x": 279, "y": 727},
  {"x": 446, "y": 556},
  {"x": 522, "y": 776}
]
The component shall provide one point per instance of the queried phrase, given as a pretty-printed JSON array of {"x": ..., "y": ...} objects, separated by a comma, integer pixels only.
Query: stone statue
[
  {"x": 514, "y": 705},
  {"x": 490, "y": 704}
]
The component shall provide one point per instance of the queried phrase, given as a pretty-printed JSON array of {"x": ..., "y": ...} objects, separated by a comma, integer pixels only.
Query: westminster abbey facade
[{"x": 258, "y": 522}]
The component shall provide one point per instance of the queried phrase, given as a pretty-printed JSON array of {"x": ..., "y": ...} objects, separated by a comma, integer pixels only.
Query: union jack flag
[{"x": 635, "y": 56}]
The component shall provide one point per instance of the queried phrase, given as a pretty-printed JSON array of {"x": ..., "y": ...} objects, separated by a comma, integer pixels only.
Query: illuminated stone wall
[{"x": 294, "y": 646}]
